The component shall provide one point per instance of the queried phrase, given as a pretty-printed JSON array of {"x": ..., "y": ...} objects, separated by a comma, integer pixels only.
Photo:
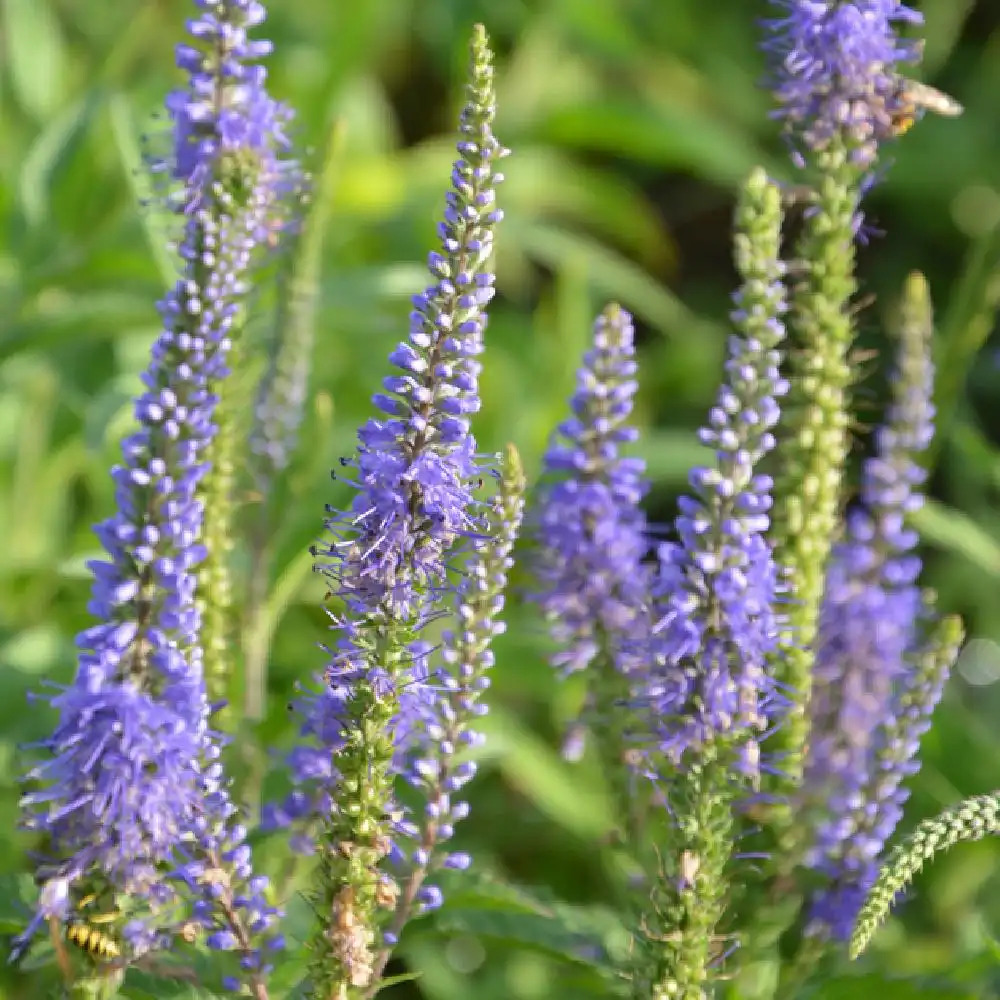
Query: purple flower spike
[
  {"x": 415, "y": 465},
  {"x": 872, "y": 694},
  {"x": 717, "y": 583},
  {"x": 412, "y": 521},
  {"x": 131, "y": 769},
  {"x": 837, "y": 70},
  {"x": 590, "y": 528}
]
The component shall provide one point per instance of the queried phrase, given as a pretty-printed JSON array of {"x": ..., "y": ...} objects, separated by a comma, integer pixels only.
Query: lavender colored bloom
[
  {"x": 415, "y": 466},
  {"x": 836, "y": 70},
  {"x": 447, "y": 729},
  {"x": 706, "y": 696},
  {"x": 130, "y": 770},
  {"x": 717, "y": 586},
  {"x": 413, "y": 516},
  {"x": 870, "y": 697},
  {"x": 415, "y": 469},
  {"x": 590, "y": 528}
]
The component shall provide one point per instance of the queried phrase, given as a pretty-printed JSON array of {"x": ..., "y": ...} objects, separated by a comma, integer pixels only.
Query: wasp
[
  {"x": 913, "y": 97},
  {"x": 93, "y": 941},
  {"x": 87, "y": 934}
]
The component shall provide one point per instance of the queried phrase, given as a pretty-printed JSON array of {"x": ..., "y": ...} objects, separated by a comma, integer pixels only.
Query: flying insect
[{"x": 914, "y": 97}]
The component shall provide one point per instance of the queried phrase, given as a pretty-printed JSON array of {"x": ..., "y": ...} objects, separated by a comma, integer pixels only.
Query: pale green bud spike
[
  {"x": 972, "y": 819},
  {"x": 916, "y": 313},
  {"x": 215, "y": 573},
  {"x": 280, "y": 403},
  {"x": 814, "y": 443},
  {"x": 757, "y": 241},
  {"x": 512, "y": 477}
]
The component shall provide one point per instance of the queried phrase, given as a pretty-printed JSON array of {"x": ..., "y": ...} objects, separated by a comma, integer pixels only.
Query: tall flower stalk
[
  {"x": 413, "y": 516},
  {"x": 875, "y": 684},
  {"x": 837, "y": 68},
  {"x": 590, "y": 534},
  {"x": 709, "y": 698},
  {"x": 439, "y": 766},
  {"x": 131, "y": 799}
]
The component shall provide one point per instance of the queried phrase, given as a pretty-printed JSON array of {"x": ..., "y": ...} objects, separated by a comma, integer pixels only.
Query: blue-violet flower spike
[
  {"x": 836, "y": 69},
  {"x": 871, "y": 628},
  {"x": 131, "y": 772}
]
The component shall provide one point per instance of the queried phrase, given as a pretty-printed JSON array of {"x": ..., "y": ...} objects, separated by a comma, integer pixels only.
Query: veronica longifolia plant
[
  {"x": 130, "y": 798},
  {"x": 836, "y": 76},
  {"x": 799, "y": 655},
  {"x": 708, "y": 696},
  {"x": 413, "y": 516}
]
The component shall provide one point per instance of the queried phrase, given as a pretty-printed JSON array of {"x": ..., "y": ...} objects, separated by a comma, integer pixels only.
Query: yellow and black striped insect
[
  {"x": 93, "y": 941},
  {"x": 87, "y": 934},
  {"x": 914, "y": 97}
]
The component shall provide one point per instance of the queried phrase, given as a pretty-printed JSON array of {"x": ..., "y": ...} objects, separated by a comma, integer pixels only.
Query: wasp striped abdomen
[{"x": 91, "y": 940}]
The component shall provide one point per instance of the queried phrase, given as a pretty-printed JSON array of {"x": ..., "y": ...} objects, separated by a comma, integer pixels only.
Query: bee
[
  {"x": 94, "y": 942},
  {"x": 914, "y": 97}
]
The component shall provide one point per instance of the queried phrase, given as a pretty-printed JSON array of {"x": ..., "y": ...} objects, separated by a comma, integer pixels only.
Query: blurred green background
[{"x": 632, "y": 122}]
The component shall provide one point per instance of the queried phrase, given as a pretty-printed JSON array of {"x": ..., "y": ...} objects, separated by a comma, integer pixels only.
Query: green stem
[
  {"x": 354, "y": 891},
  {"x": 689, "y": 896}
]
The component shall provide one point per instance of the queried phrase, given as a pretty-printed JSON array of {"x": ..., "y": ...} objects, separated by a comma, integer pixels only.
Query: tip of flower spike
[
  {"x": 758, "y": 181},
  {"x": 916, "y": 306},
  {"x": 512, "y": 469},
  {"x": 615, "y": 325}
]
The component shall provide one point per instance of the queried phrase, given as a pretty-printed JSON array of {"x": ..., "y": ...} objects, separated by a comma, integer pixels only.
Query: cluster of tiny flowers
[
  {"x": 870, "y": 631},
  {"x": 416, "y": 468},
  {"x": 448, "y": 726},
  {"x": 125, "y": 778},
  {"x": 592, "y": 585},
  {"x": 836, "y": 71},
  {"x": 717, "y": 585}
]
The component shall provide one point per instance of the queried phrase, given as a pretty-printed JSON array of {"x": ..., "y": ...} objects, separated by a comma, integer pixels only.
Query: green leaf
[
  {"x": 610, "y": 274},
  {"x": 954, "y": 530},
  {"x": 142, "y": 985},
  {"x": 36, "y": 56},
  {"x": 53, "y": 151},
  {"x": 486, "y": 894},
  {"x": 403, "y": 977},
  {"x": 543, "y": 777},
  {"x": 668, "y": 136},
  {"x": 531, "y": 919},
  {"x": 17, "y": 895},
  {"x": 856, "y": 987}
]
